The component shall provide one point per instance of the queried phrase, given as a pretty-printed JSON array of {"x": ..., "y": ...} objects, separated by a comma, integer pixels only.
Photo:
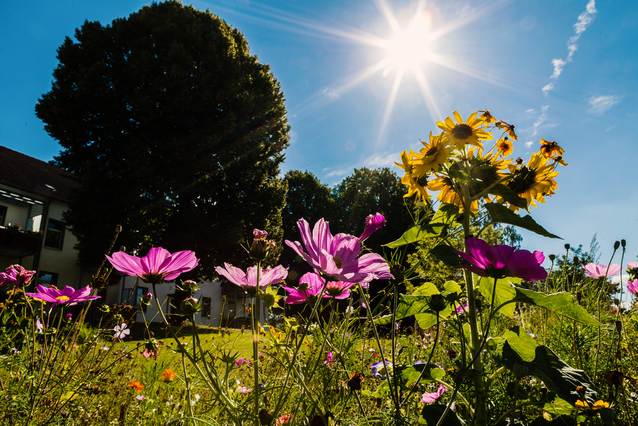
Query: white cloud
[
  {"x": 529, "y": 144},
  {"x": 540, "y": 120},
  {"x": 558, "y": 65},
  {"x": 602, "y": 104},
  {"x": 382, "y": 160},
  {"x": 548, "y": 88}
]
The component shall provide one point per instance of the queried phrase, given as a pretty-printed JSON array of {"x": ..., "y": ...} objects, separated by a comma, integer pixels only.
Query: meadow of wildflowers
[{"x": 511, "y": 336}]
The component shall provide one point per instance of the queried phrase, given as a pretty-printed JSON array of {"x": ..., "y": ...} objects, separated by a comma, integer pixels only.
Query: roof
[{"x": 29, "y": 174}]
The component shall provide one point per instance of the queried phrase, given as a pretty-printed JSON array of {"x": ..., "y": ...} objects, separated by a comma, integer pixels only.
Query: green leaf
[
  {"x": 426, "y": 289},
  {"x": 554, "y": 372},
  {"x": 522, "y": 344},
  {"x": 428, "y": 319},
  {"x": 447, "y": 255},
  {"x": 505, "y": 292},
  {"x": 408, "y": 306},
  {"x": 409, "y": 375},
  {"x": 501, "y": 214},
  {"x": 412, "y": 235},
  {"x": 508, "y": 195},
  {"x": 452, "y": 287},
  {"x": 562, "y": 303},
  {"x": 559, "y": 407}
]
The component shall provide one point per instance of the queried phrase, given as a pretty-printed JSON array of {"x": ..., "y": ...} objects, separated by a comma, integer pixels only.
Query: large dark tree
[
  {"x": 368, "y": 191},
  {"x": 175, "y": 130}
]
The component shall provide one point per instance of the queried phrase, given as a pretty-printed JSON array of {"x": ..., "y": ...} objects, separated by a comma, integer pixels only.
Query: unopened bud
[
  {"x": 259, "y": 234},
  {"x": 552, "y": 257},
  {"x": 623, "y": 243},
  {"x": 567, "y": 246},
  {"x": 616, "y": 245},
  {"x": 189, "y": 286},
  {"x": 146, "y": 298},
  {"x": 190, "y": 306},
  {"x": 437, "y": 303}
]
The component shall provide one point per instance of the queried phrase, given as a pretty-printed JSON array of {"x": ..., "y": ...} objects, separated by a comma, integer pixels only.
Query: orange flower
[
  {"x": 136, "y": 385},
  {"x": 168, "y": 375}
]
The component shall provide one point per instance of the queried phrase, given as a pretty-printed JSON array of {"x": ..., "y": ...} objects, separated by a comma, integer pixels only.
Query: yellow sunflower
[
  {"x": 433, "y": 155},
  {"x": 551, "y": 149},
  {"x": 507, "y": 128},
  {"x": 533, "y": 181},
  {"x": 487, "y": 117},
  {"x": 505, "y": 146},
  {"x": 448, "y": 194},
  {"x": 471, "y": 131},
  {"x": 416, "y": 184}
]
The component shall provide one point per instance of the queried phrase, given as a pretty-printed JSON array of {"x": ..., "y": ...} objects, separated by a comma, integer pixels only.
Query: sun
[{"x": 408, "y": 49}]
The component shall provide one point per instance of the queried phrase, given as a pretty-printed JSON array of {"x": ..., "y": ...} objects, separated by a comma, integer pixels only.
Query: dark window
[
  {"x": 3, "y": 214},
  {"x": 206, "y": 307},
  {"x": 55, "y": 234},
  {"x": 48, "y": 277},
  {"x": 139, "y": 293}
]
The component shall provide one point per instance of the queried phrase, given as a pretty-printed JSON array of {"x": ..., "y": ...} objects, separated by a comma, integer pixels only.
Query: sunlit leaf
[
  {"x": 562, "y": 303},
  {"x": 505, "y": 292},
  {"x": 412, "y": 235},
  {"x": 501, "y": 214},
  {"x": 522, "y": 344}
]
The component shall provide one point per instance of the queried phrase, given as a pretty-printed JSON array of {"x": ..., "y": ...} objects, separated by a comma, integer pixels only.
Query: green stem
[{"x": 255, "y": 335}]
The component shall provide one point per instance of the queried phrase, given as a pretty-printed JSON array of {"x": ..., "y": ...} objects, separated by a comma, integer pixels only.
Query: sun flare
[{"x": 409, "y": 48}]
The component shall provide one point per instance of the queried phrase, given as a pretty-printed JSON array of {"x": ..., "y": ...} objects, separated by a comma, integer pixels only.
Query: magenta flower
[
  {"x": 330, "y": 358},
  {"x": 632, "y": 286},
  {"x": 248, "y": 280},
  {"x": 596, "y": 270},
  {"x": 338, "y": 256},
  {"x": 259, "y": 234},
  {"x": 461, "y": 308},
  {"x": 502, "y": 261},
  {"x": 16, "y": 275},
  {"x": 310, "y": 286},
  {"x": 158, "y": 265},
  {"x": 432, "y": 397},
  {"x": 374, "y": 222},
  {"x": 66, "y": 296}
]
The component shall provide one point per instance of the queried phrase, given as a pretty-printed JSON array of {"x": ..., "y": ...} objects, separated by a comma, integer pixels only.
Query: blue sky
[{"x": 504, "y": 51}]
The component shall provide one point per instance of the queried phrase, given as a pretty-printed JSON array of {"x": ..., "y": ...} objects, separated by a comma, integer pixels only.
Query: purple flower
[
  {"x": 632, "y": 286},
  {"x": 121, "y": 331},
  {"x": 66, "y": 296},
  {"x": 374, "y": 222},
  {"x": 461, "y": 309},
  {"x": 259, "y": 234},
  {"x": 596, "y": 270},
  {"x": 432, "y": 397},
  {"x": 248, "y": 280},
  {"x": 502, "y": 261},
  {"x": 158, "y": 265},
  {"x": 380, "y": 368},
  {"x": 16, "y": 275},
  {"x": 330, "y": 358},
  {"x": 310, "y": 286},
  {"x": 338, "y": 256}
]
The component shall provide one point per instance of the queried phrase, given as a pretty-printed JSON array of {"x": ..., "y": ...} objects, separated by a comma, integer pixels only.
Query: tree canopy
[{"x": 175, "y": 130}]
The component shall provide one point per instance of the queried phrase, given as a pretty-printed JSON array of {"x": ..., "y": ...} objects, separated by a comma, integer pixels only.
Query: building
[{"x": 33, "y": 198}]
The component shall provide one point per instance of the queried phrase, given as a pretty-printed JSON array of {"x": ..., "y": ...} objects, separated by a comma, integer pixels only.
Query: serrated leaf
[
  {"x": 501, "y": 214},
  {"x": 562, "y": 303},
  {"x": 412, "y": 235}
]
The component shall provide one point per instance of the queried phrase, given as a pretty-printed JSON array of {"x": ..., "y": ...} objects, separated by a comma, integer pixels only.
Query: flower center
[
  {"x": 432, "y": 151},
  {"x": 462, "y": 131},
  {"x": 523, "y": 180},
  {"x": 338, "y": 262},
  {"x": 333, "y": 290},
  {"x": 62, "y": 298},
  {"x": 422, "y": 180}
]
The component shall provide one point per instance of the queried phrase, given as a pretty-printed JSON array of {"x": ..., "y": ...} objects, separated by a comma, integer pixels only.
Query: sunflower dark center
[
  {"x": 432, "y": 151},
  {"x": 462, "y": 131},
  {"x": 422, "y": 180},
  {"x": 523, "y": 180}
]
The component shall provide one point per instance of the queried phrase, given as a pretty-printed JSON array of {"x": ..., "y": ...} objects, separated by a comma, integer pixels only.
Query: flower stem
[{"x": 255, "y": 335}]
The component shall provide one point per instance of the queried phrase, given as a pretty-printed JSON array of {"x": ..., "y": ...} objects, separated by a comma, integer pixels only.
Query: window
[
  {"x": 139, "y": 293},
  {"x": 3, "y": 214},
  {"x": 206, "y": 305},
  {"x": 48, "y": 277},
  {"x": 55, "y": 234}
]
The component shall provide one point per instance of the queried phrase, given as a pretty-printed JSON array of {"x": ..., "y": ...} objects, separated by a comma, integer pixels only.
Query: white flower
[
  {"x": 121, "y": 331},
  {"x": 39, "y": 326}
]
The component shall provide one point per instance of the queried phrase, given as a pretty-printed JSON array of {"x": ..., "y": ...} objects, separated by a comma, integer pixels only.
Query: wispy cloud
[
  {"x": 540, "y": 120},
  {"x": 583, "y": 22},
  {"x": 602, "y": 104},
  {"x": 376, "y": 160}
]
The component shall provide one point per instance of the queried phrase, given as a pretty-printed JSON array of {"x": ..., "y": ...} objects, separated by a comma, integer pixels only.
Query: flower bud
[
  {"x": 623, "y": 243},
  {"x": 146, "y": 298},
  {"x": 437, "y": 303},
  {"x": 567, "y": 246},
  {"x": 616, "y": 245},
  {"x": 373, "y": 223},
  {"x": 189, "y": 286},
  {"x": 190, "y": 306},
  {"x": 552, "y": 257}
]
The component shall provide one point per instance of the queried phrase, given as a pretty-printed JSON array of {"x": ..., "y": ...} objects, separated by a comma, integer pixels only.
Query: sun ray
[
  {"x": 389, "y": 106},
  {"x": 465, "y": 69},
  {"x": 426, "y": 91},
  {"x": 388, "y": 14},
  {"x": 467, "y": 19}
]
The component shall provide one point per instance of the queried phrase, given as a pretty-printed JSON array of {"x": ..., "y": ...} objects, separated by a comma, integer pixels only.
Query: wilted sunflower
[
  {"x": 416, "y": 184},
  {"x": 505, "y": 146},
  {"x": 551, "y": 149},
  {"x": 507, "y": 128},
  {"x": 487, "y": 117},
  {"x": 448, "y": 194},
  {"x": 461, "y": 132},
  {"x": 433, "y": 154},
  {"x": 535, "y": 180}
]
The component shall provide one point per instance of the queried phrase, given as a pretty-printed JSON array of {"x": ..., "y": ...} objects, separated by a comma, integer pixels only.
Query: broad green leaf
[
  {"x": 408, "y": 306},
  {"x": 447, "y": 255},
  {"x": 409, "y": 375},
  {"x": 426, "y": 289},
  {"x": 554, "y": 372},
  {"x": 562, "y": 303},
  {"x": 428, "y": 319},
  {"x": 522, "y": 344},
  {"x": 508, "y": 195},
  {"x": 505, "y": 292},
  {"x": 501, "y": 214},
  {"x": 452, "y": 287},
  {"x": 412, "y": 235},
  {"x": 559, "y": 407}
]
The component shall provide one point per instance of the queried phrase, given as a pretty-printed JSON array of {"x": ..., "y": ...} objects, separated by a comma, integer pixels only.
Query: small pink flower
[
  {"x": 16, "y": 275},
  {"x": 241, "y": 361},
  {"x": 596, "y": 270},
  {"x": 259, "y": 234},
  {"x": 140, "y": 397},
  {"x": 158, "y": 265},
  {"x": 244, "y": 390},
  {"x": 632, "y": 286},
  {"x": 432, "y": 397},
  {"x": 330, "y": 358},
  {"x": 373, "y": 223},
  {"x": 284, "y": 419}
]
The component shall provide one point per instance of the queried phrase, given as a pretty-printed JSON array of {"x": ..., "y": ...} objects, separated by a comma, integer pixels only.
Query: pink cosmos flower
[
  {"x": 502, "y": 261},
  {"x": 632, "y": 286},
  {"x": 158, "y": 265},
  {"x": 374, "y": 222},
  {"x": 310, "y": 286},
  {"x": 632, "y": 265},
  {"x": 248, "y": 280},
  {"x": 66, "y": 296},
  {"x": 432, "y": 397},
  {"x": 596, "y": 270},
  {"x": 338, "y": 256},
  {"x": 16, "y": 275}
]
